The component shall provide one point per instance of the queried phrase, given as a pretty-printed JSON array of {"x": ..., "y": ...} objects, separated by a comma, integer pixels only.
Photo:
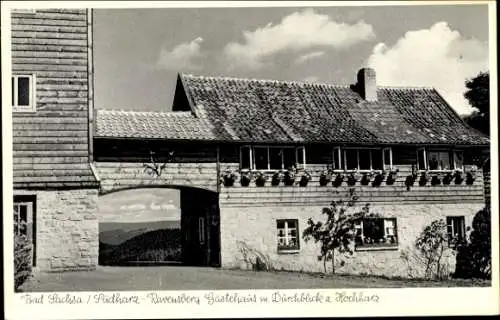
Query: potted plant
[
  {"x": 305, "y": 177},
  {"x": 391, "y": 178},
  {"x": 338, "y": 180},
  {"x": 470, "y": 178},
  {"x": 410, "y": 180},
  {"x": 228, "y": 178},
  {"x": 458, "y": 177},
  {"x": 289, "y": 177},
  {"x": 435, "y": 180},
  {"x": 423, "y": 179},
  {"x": 324, "y": 178},
  {"x": 245, "y": 179},
  {"x": 377, "y": 180},
  {"x": 365, "y": 179},
  {"x": 352, "y": 178},
  {"x": 260, "y": 179},
  {"x": 276, "y": 178},
  {"x": 448, "y": 177}
]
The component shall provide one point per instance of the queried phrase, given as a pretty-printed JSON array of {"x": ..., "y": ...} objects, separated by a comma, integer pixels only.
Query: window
[
  {"x": 24, "y": 211},
  {"x": 23, "y": 93},
  {"x": 439, "y": 159},
  {"x": 288, "y": 240},
  {"x": 366, "y": 159},
  {"x": 456, "y": 229},
  {"x": 271, "y": 158},
  {"x": 376, "y": 233},
  {"x": 337, "y": 158}
]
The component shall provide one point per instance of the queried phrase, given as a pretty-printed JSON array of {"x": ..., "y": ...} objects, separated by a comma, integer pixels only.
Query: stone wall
[
  {"x": 66, "y": 229},
  {"x": 255, "y": 228}
]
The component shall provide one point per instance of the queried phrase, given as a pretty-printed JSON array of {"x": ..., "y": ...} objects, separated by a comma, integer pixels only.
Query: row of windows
[
  {"x": 370, "y": 233},
  {"x": 278, "y": 158}
]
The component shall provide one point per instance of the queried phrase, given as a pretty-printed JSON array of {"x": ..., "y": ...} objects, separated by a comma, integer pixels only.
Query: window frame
[
  {"x": 297, "y": 150},
  {"x": 377, "y": 246},
  {"x": 450, "y": 223},
  {"x": 344, "y": 158},
  {"x": 287, "y": 249},
  {"x": 452, "y": 154},
  {"x": 32, "y": 93}
]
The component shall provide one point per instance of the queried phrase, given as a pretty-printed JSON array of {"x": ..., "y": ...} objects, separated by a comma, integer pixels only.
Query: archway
[{"x": 159, "y": 225}]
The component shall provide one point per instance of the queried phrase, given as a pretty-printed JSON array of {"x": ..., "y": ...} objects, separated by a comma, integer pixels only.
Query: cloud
[
  {"x": 308, "y": 56},
  {"x": 183, "y": 56},
  {"x": 439, "y": 57},
  {"x": 295, "y": 32}
]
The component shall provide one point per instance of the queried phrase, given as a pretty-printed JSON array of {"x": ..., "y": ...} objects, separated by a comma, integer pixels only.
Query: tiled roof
[
  {"x": 285, "y": 111},
  {"x": 251, "y": 110},
  {"x": 163, "y": 125}
]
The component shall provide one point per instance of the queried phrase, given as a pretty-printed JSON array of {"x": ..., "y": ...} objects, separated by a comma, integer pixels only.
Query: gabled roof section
[
  {"x": 176, "y": 125},
  {"x": 253, "y": 110}
]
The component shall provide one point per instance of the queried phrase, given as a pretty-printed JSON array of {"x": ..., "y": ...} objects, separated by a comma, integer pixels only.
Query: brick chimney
[{"x": 367, "y": 84}]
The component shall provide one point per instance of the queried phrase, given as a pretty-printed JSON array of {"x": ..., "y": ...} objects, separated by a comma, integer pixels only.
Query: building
[
  {"x": 382, "y": 139},
  {"x": 55, "y": 190},
  {"x": 68, "y": 157}
]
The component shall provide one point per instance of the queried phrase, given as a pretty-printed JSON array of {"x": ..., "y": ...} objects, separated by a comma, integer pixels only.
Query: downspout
[
  {"x": 218, "y": 170},
  {"x": 90, "y": 85}
]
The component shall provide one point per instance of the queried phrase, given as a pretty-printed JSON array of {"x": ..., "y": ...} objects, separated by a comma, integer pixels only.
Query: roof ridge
[
  {"x": 406, "y": 87},
  {"x": 149, "y": 112},
  {"x": 190, "y": 75}
]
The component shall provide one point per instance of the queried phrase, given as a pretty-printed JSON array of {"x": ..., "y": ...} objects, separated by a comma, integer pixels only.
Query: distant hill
[
  {"x": 153, "y": 246},
  {"x": 115, "y": 233}
]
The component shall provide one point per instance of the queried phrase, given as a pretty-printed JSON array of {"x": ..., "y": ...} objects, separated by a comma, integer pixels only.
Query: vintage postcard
[{"x": 249, "y": 159}]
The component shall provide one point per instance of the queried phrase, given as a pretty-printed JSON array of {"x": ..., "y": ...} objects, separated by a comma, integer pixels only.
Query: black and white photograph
[{"x": 237, "y": 149}]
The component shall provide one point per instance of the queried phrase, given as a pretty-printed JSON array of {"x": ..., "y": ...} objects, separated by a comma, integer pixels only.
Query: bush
[
  {"x": 22, "y": 260},
  {"x": 474, "y": 256},
  {"x": 432, "y": 245}
]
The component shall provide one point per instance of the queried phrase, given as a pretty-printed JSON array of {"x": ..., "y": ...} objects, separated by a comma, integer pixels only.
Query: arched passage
[{"x": 159, "y": 225}]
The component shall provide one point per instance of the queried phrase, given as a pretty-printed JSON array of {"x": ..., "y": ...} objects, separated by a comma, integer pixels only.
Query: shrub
[
  {"x": 365, "y": 179},
  {"x": 458, "y": 177},
  {"x": 22, "y": 255},
  {"x": 432, "y": 244},
  {"x": 289, "y": 177},
  {"x": 336, "y": 233},
  {"x": 228, "y": 178},
  {"x": 391, "y": 178},
  {"x": 423, "y": 179},
  {"x": 377, "y": 181},
  {"x": 276, "y": 179},
  {"x": 474, "y": 255},
  {"x": 338, "y": 180},
  {"x": 435, "y": 181},
  {"x": 410, "y": 180},
  {"x": 470, "y": 178},
  {"x": 447, "y": 178}
]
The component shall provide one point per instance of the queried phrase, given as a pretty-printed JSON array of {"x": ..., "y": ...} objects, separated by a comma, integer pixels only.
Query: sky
[{"x": 139, "y": 52}]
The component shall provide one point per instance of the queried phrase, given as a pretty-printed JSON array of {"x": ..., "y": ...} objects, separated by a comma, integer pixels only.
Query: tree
[
  {"x": 337, "y": 232},
  {"x": 478, "y": 95},
  {"x": 474, "y": 256}
]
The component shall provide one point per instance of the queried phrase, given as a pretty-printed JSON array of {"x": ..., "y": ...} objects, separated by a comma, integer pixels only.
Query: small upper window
[{"x": 23, "y": 96}]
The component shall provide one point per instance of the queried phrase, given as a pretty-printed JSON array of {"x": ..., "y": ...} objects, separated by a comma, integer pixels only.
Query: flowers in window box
[
  {"x": 338, "y": 180},
  {"x": 379, "y": 177},
  {"x": 228, "y": 178},
  {"x": 410, "y": 180},
  {"x": 289, "y": 177},
  {"x": 470, "y": 178},
  {"x": 260, "y": 179},
  {"x": 391, "y": 178},
  {"x": 458, "y": 177},
  {"x": 245, "y": 179},
  {"x": 447, "y": 178},
  {"x": 276, "y": 178},
  {"x": 352, "y": 178},
  {"x": 305, "y": 177},
  {"x": 423, "y": 179},
  {"x": 324, "y": 178},
  {"x": 435, "y": 180},
  {"x": 365, "y": 179}
]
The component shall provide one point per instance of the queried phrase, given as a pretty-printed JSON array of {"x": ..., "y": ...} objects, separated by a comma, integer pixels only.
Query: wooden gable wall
[{"x": 51, "y": 144}]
